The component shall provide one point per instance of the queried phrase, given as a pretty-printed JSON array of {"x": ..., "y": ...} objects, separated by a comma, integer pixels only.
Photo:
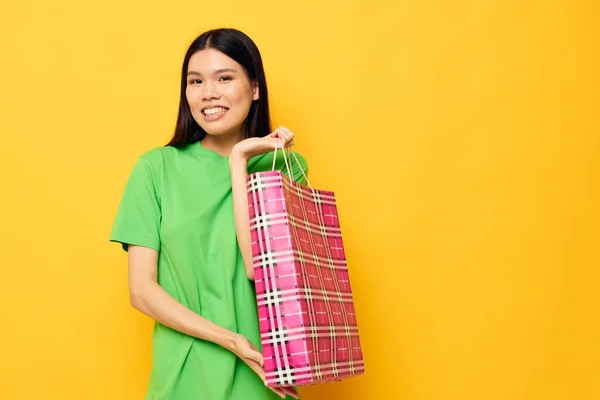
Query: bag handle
[{"x": 288, "y": 163}]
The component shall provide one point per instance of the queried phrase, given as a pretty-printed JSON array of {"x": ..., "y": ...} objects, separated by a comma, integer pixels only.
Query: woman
[{"x": 182, "y": 215}]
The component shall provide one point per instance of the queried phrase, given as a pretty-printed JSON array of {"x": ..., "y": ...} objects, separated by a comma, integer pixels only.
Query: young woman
[{"x": 183, "y": 219}]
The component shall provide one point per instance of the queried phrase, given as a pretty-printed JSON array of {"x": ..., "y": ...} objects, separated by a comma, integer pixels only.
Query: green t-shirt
[{"x": 179, "y": 202}]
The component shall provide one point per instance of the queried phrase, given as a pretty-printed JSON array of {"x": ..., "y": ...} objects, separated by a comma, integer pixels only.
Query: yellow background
[{"x": 462, "y": 139}]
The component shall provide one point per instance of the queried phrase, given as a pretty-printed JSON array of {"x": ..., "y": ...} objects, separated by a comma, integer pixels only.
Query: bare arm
[
  {"x": 147, "y": 296},
  {"x": 238, "y": 164},
  {"x": 239, "y": 174}
]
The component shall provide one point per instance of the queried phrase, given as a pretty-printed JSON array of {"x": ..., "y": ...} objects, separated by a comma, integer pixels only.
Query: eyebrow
[{"x": 219, "y": 71}]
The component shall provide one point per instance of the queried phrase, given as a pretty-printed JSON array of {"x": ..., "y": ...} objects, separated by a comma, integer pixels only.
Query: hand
[
  {"x": 244, "y": 349},
  {"x": 248, "y": 148}
]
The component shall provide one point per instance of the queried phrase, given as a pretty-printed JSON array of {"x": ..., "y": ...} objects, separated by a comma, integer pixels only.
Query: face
[{"x": 219, "y": 93}]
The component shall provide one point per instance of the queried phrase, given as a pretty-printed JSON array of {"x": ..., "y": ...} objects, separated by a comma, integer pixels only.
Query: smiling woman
[
  {"x": 222, "y": 68},
  {"x": 183, "y": 219},
  {"x": 219, "y": 90}
]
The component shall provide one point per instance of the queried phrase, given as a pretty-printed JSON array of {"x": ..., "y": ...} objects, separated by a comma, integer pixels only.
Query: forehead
[{"x": 209, "y": 60}]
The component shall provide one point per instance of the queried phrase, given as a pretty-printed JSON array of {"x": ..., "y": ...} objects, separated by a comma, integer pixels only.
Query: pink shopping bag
[{"x": 308, "y": 325}]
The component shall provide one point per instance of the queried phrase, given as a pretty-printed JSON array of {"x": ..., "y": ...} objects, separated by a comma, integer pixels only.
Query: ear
[{"x": 255, "y": 94}]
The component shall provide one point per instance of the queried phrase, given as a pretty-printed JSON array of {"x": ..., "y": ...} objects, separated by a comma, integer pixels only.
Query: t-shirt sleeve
[{"x": 138, "y": 217}]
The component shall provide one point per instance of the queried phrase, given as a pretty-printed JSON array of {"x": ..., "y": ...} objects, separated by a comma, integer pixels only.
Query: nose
[{"x": 210, "y": 91}]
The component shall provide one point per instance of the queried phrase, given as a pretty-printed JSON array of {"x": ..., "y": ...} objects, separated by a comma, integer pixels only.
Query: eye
[
  {"x": 195, "y": 81},
  {"x": 225, "y": 78}
]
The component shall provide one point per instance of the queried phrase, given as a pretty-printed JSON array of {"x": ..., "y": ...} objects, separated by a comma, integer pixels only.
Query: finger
[
  {"x": 278, "y": 132},
  {"x": 288, "y": 132},
  {"x": 281, "y": 132},
  {"x": 283, "y": 135},
  {"x": 274, "y": 134},
  {"x": 256, "y": 368},
  {"x": 285, "y": 139},
  {"x": 255, "y": 356},
  {"x": 291, "y": 391},
  {"x": 278, "y": 392},
  {"x": 284, "y": 129},
  {"x": 289, "y": 138}
]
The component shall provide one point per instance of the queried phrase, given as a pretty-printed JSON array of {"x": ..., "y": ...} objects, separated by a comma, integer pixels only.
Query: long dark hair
[{"x": 238, "y": 46}]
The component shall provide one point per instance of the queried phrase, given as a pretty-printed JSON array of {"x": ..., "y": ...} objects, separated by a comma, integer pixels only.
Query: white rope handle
[
  {"x": 301, "y": 169},
  {"x": 288, "y": 163}
]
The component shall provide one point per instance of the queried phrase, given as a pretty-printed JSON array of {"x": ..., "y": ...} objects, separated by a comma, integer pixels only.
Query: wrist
[
  {"x": 228, "y": 340},
  {"x": 237, "y": 157}
]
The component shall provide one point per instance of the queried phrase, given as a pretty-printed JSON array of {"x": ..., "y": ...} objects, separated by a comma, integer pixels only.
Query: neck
[{"x": 221, "y": 144}]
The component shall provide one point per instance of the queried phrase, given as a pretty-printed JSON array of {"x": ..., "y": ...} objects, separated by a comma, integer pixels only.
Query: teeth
[{"x": 213, "y": 111}]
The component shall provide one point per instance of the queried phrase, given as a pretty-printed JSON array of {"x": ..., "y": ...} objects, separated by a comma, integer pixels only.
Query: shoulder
[
  {"x": 158, "y": 154},
  {"x": 150, "y": 166},
  {"x": 157, "y": 157}
]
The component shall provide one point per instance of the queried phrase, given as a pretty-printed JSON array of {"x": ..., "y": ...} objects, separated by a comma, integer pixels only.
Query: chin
[
  {"x": 217, "y": 132},
  {"x": 220, "y": 131}
]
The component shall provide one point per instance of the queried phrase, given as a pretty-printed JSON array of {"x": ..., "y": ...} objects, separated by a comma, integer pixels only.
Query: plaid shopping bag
[{"x": 308, "y": 325}]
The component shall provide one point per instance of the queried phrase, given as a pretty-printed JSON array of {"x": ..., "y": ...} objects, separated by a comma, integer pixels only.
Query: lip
[{"x": 214, "y": 117}]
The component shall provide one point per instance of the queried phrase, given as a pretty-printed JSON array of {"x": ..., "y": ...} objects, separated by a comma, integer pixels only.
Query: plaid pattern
[{"x": 307, "y": 321}]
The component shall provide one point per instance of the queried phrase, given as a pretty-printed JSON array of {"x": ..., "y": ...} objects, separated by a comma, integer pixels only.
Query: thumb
[
  {"x": 274, "y": 134},
  {"x": 276, "y": 138},
  {"x": 256, "y": 356}
]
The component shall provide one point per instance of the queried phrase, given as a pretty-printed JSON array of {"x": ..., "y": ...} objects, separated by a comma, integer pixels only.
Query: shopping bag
[{"x": 308, "y": 326}]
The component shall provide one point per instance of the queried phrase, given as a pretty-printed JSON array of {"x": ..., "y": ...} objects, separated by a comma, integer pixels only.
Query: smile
[{"x": 214, "y": 111}]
